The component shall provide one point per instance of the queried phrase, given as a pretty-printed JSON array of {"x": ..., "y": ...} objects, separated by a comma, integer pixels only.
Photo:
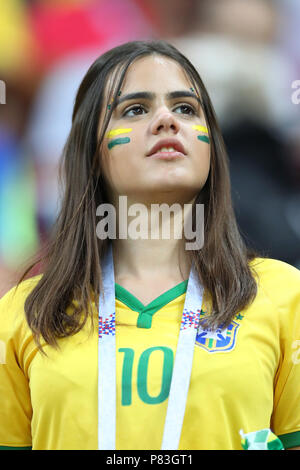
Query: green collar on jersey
[
  {"x": 15, "y": 448},
  {"x": 147, "y": 311}
]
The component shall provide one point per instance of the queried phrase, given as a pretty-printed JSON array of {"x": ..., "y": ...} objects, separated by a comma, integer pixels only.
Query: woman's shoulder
[
  {"x": 12, "y": 303},
  {"x": 279, "y": 280},
  {"x": 21, "y": 290},
  {"x": 274, "y": 269}
]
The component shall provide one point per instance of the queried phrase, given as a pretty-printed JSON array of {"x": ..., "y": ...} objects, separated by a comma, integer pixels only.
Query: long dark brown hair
[{"x": 71, "y": 263}]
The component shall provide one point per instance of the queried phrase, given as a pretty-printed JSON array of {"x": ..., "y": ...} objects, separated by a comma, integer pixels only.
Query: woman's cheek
[
  {"x": 203, "y": 133},
  {"x": 118, "y": 137}
]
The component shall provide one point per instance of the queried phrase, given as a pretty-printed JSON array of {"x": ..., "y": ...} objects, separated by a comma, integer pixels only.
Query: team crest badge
[{"x": 220, "y": 340}]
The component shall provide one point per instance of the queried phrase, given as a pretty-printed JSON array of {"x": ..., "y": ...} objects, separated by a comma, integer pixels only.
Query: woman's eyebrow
[
  {"x": 151, "y": 96},
  {"x": 136, "y": 96},
  {"x": 183, "y": 94}
]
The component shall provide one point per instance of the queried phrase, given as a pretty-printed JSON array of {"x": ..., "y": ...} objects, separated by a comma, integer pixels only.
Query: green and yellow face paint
[
  {"x": 204, "y": 133},
  {"x": 115, "y": 140}
]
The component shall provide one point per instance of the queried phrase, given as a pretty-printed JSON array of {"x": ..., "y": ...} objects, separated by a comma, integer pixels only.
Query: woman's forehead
[
  {"x": 144, "y": 68},
  {"x": 153, "y": 70}
]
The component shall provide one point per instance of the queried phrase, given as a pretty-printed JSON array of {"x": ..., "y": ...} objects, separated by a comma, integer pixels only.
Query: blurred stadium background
[{"x": 248, "y": 54}]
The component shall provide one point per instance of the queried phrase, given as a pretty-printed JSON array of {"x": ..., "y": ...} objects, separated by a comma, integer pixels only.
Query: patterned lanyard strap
[{"x": 107, "y": 361}]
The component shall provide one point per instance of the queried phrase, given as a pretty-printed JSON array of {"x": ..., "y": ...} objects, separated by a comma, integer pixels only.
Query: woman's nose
[{"x": 165, "y": 121}]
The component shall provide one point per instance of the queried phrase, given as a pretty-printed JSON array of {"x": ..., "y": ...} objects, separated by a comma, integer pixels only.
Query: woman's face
[{"x": 152, "y": 149}]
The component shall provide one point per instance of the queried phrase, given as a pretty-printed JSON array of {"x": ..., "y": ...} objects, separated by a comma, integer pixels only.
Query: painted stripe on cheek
[
  {"x": 200, "y": 128},
  {"x": 204, "y": 138},
  {"x": 119, "y": 141},
  {"x": 115, "y": 132}
]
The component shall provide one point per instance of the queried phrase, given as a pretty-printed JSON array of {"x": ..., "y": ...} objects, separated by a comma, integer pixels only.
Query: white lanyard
[{"x": 107, "y": 361}]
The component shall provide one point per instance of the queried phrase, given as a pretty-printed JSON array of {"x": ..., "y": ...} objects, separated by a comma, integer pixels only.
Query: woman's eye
[
  {"x": 185, "y": 109},
  {"x": 134, "y": 111}
]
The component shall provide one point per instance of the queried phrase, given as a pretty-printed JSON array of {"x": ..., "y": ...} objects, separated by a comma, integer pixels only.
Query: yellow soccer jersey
[{"x": 245, "y": 377}]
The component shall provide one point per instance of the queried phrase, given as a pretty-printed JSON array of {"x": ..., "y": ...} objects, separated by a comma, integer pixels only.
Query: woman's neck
[
  {"x": 151, "y": 250},
  {"x": 150, "y": 259}
]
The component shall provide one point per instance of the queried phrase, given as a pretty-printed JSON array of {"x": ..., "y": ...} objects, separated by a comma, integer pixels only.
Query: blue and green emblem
[{"x": 220, "y": 340}]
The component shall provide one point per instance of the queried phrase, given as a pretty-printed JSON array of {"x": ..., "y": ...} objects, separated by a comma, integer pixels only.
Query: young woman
[{"x": 148, "y": 342}]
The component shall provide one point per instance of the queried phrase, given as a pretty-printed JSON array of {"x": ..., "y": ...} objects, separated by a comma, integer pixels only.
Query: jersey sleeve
[
  {"x": 286, "y": 410},
  {"x": 15, "y": 405}
]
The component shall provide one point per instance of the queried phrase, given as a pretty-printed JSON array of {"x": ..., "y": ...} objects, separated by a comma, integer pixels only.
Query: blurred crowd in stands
[{"x": 248, "y": 55}]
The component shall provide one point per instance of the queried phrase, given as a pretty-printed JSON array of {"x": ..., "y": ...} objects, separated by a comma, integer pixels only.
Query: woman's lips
[
  {"x": 167, "y": 143},
  {"x": 167, "y": 155}
]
